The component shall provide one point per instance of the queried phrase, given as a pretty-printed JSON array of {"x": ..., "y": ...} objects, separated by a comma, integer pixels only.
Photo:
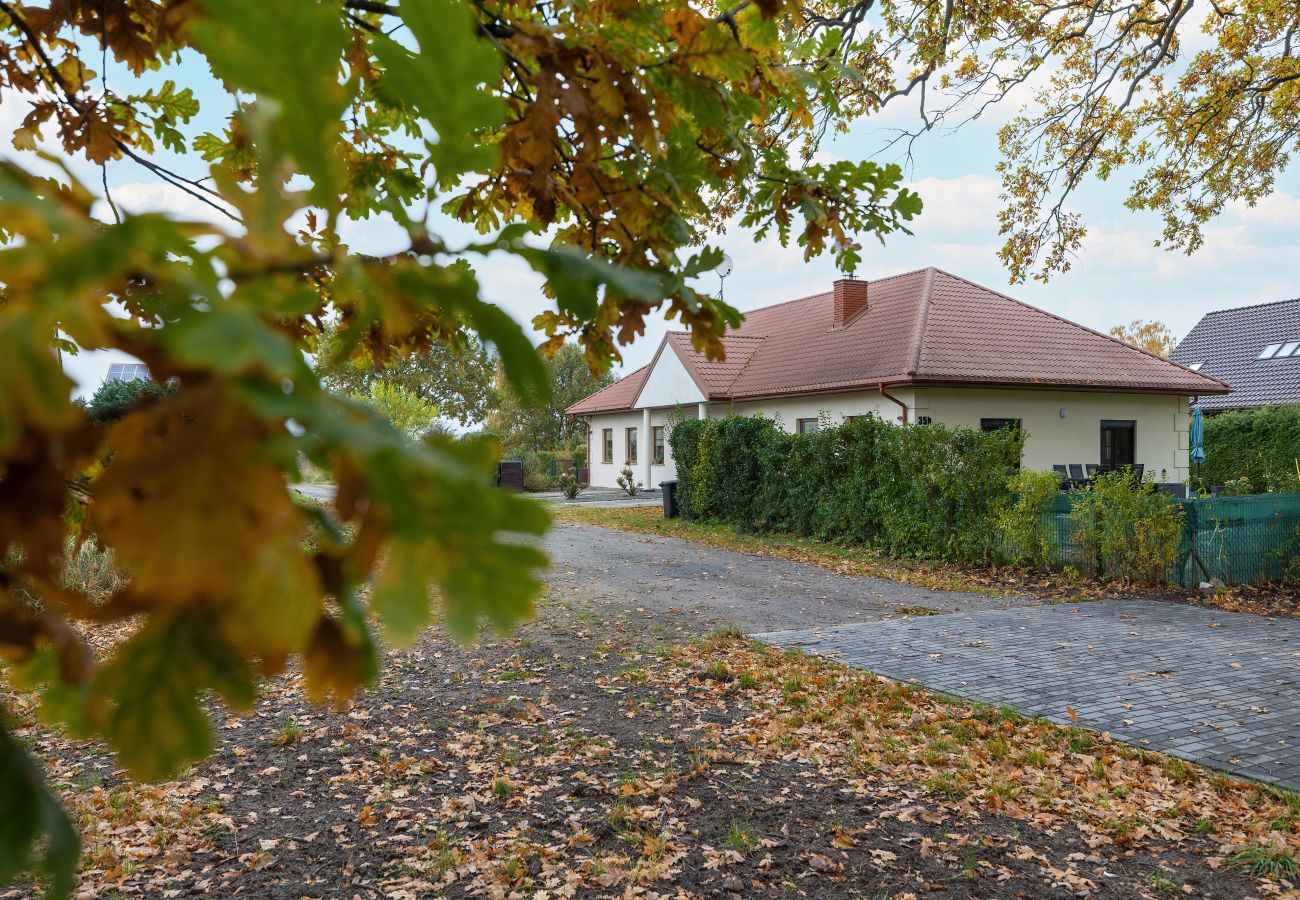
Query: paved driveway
[{"x": 1219, "y": 688}]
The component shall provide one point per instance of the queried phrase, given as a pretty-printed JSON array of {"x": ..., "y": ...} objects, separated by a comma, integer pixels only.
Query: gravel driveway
[{"x": 669, "y": 588}]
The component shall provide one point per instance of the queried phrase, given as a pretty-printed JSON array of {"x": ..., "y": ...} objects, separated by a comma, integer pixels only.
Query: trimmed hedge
[
  {"x": 929, "y": 490},
  {"x": 1259, "y": 445}
]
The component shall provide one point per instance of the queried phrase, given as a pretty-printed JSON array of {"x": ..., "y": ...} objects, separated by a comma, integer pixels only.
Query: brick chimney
[{"x": 850, "y": 299}]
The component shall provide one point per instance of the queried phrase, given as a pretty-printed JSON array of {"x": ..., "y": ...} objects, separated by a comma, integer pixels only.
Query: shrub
[
  {"x": 923, "y": 490},
  {"x": 627, "y": 481},
  {"x": 114, "y": 399},
  {"x": 1025, "y": 523},
  {"x": 1123, "y": 526},
  {"x": 1258, "y": 445},
  {"x": 569, "y": 485},
  {"x": 536, "y": 482}
]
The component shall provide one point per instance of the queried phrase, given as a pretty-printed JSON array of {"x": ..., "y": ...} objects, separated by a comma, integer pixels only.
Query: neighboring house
[
  {"x": 916, "y": 348},
  {"x": 1256, "y": 349}
]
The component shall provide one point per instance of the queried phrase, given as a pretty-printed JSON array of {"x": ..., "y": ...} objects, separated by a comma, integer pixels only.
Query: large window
[
  {"x": 1118, "y": 442},
  {"x": 806, "y": 426},
  {"x": 658, "y": 432},
  {"x": 631, "y": 447},
  {"x": 997, "y": 424},
  {"x": 607, "y": 445}
]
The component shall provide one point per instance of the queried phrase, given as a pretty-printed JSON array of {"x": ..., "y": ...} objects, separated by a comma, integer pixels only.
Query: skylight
[
  {"x": 1269, "y": 351},
  {"x": 128, "y": 372},
  {"x": 1196, "y": 367},
  {"x": 1288, "y": 348}
]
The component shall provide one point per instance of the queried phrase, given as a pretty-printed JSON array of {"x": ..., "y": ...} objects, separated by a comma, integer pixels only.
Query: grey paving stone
[{"x": 1214, "y": 687}]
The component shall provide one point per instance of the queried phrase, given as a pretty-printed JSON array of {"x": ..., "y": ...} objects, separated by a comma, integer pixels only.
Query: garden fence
[{"x": 1234, "y": 540}]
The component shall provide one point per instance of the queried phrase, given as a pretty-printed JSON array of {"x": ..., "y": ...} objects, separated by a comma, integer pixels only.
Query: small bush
[
  {"x": 1025, "y": 521},
  {"x": 1123, "y": 526},
  {"x": 569, "y": 485},
  {"x": 627, "y": 481},
  {"x": 537, "y": 482}
]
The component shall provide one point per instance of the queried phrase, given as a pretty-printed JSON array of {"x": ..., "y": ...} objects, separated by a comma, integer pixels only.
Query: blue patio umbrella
[{"x": 1198, "y": 436}]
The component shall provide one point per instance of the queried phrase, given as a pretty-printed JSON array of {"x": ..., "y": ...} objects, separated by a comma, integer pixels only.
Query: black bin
[{"x": 670, "y": 498}]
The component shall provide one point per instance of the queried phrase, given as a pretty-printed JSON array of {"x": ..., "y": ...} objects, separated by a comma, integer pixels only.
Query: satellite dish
[{"x": 724, "y": 267}]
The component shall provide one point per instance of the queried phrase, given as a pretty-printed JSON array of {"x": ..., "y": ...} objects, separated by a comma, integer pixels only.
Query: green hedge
[
  {"x": 928, "y": 490},
  {"x": 1259, "y": 445}
]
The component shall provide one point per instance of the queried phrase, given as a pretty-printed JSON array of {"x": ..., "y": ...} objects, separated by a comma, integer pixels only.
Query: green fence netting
[{"x": 1234, "y": 540}]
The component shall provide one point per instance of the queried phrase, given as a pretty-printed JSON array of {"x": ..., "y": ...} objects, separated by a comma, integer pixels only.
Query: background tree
[
  {"x": 456, "y": 380},
  {"x": 410, "y": 414},
  {"x": 524, "y": 426},
  {"x": 1153, "y": 337}
]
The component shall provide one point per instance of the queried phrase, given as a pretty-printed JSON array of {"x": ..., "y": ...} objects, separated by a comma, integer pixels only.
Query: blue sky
[{"x": 1249, "y": 255}]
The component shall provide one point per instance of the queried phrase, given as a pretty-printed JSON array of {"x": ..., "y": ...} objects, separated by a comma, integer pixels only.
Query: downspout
[{"x": 888, "y": 396}]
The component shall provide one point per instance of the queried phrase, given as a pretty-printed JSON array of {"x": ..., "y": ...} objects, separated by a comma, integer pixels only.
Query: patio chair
[
  {"x": 1094, "y": 469},
  {"x": 1063, "y": 471},
  {"x": 1138, "y": 469},
  {"x": 1076, "y": 472}
]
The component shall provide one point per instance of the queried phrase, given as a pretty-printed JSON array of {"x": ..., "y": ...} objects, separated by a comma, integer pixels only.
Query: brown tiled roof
[
  {"x": 619, "y": 395},
  {"x": 924, "y": 327}
]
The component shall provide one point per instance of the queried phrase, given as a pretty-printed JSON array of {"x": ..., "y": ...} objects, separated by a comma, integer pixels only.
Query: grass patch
[{"x": 1265, "y": 862}]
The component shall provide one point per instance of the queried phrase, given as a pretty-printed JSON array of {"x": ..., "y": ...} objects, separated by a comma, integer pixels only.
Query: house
[
  {"x": 1256, "y": 349},
  {"x": 916, "y": 348}
]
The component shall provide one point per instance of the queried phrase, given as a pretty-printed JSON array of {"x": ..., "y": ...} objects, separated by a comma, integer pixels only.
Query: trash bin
[{"x": 670, "y": 498}]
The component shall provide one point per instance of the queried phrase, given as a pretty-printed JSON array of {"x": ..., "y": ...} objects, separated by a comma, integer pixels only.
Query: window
[
  {"x": 658, "y": 431},
  {"x": 128, "y": 372},
  {"x": 1287, "y": 349},
  {"x": 1118, "y": 443},
  {"x": 806, "y": 426},
  {"x": 631, "y": 447},
  {"x": 607, "y": 445},
  {"x": 996, "y": 424},
  {"x": 1269, "y": 351},
  {"x": 1196, "y": 367}
]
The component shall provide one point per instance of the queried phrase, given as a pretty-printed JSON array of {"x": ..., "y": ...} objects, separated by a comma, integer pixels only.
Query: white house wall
[
  {"x": 1161, "y": 423},
  {"x": 812, "y": 406},
  {"x": 606, "y": 474},
  {"x": 669, "y": 384}
]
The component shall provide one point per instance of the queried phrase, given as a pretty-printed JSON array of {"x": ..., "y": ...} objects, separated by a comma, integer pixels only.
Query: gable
[{"x": 669, "y": 383}]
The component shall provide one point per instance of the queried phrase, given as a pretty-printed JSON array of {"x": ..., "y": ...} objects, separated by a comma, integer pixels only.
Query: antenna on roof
[{"x": 723, "y": 270}]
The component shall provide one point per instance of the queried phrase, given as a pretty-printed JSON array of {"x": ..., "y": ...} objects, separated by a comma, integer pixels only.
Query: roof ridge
[
  {"x": 1094, "y": 331},
  {"x": 922, "y": 318},
  {"x": 825, "y": 293},
  {"x": 1231, "y": 309}
]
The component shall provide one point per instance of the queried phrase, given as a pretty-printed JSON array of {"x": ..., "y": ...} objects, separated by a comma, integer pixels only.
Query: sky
[{"x": 1249, "y": 254}]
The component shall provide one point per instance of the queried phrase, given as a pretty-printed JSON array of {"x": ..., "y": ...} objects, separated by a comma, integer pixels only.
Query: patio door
[{"x": 1118, "y": 443}]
